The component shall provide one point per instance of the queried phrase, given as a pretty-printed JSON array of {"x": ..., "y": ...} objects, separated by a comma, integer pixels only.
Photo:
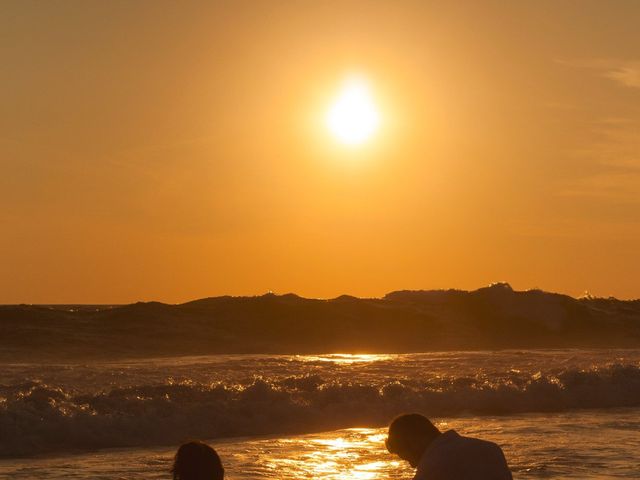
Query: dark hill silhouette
[{"x": 494, "y": 317}]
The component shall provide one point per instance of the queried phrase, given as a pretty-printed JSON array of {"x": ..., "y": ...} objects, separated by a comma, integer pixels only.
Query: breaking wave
[{"x": 36, "y": 417}]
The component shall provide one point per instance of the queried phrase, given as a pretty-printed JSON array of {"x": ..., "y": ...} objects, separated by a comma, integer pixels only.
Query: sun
[{"x": 353, "y": 118}]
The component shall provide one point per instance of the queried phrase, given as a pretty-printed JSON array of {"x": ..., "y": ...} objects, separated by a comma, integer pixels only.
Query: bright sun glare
[{"x": 353, "y": 118}]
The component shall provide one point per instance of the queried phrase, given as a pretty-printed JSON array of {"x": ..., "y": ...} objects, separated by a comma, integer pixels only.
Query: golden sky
[{"x": 156, "y": 150}]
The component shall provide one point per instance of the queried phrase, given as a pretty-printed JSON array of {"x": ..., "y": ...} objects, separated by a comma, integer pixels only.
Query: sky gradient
[{"x": 168, "y": 151}]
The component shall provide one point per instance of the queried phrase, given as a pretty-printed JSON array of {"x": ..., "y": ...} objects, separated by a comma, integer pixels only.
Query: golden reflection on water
[
  {"x": 346, "y": 358},
  {"x": 592, "y": 444},
  {"x": 358, "y": 453}
]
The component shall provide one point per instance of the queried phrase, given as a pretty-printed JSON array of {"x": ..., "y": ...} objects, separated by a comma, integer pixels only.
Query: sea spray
[{"x": 38, "y": 416}]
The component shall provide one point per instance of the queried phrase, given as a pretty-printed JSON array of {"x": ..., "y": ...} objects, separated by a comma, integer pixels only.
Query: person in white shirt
[{"x": 444, "y": 455}]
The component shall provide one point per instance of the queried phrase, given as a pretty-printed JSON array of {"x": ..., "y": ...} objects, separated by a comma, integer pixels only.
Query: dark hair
[
  {"x": 407, "y": 428},
  {"x": 197, "y": 461}
]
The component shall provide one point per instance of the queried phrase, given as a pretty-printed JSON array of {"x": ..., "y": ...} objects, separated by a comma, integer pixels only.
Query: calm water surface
[{"x": 586, "y": 444}]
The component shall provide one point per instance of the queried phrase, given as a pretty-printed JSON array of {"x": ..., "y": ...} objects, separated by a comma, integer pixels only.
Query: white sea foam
[{"x": 159, "y": 402}]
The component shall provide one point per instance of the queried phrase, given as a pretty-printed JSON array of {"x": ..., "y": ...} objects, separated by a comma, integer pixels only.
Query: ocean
[{"x": 556, "y": 413}]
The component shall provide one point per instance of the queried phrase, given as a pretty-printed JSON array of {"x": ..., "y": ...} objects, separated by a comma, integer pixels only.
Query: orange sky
[{"x": 173, "y": 150}]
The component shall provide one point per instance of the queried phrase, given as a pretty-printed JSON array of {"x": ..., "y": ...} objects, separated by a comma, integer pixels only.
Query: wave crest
[{"x": 36, "y": 417}]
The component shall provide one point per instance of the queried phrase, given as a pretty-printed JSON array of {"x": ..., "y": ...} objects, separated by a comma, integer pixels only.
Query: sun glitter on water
[
  {"x": 353, "y": 118},
  {"x": 346, "y": 358}
]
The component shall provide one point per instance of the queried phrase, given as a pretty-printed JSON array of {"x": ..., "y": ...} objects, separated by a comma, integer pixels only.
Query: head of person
[
  {"x": 409, "y": 436},
  {"x": 197, "y": 461}
]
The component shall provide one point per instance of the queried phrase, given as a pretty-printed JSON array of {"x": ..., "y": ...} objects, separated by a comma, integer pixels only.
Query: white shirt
[{"x": 454, "y": 457}]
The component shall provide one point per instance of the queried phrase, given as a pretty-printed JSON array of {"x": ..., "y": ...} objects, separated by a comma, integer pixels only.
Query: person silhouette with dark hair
[
  {"x": 197, "y": 461},
  {"x": 444, "y": 455}
]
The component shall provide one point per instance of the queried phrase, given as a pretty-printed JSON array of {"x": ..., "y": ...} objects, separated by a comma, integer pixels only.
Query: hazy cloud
[
  {"x": 615, "y": 162},
  {"x": 610, "y": 152},
  {"x": 628, "y": 74},
  {"x": 623, "y": 72}
]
